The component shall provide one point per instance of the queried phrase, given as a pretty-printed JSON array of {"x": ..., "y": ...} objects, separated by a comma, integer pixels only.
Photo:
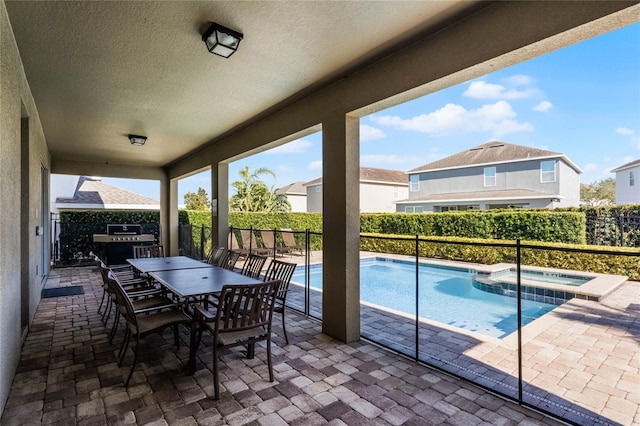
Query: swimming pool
[{"x": 445, "y": 295}]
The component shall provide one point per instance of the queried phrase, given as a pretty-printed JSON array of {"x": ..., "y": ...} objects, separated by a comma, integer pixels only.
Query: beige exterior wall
[
  {"x": 298, "y": 202},
  {"x": 625, "y": 193},
  {"x": 314, "y": 198},
  {"x": 21, "y": 210},
  {"x": 374, "y": 198},
  {"x": 379, "y": 198}
]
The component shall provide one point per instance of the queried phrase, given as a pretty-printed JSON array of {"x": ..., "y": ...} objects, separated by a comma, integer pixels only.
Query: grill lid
[{"x": 124, "y": 229}]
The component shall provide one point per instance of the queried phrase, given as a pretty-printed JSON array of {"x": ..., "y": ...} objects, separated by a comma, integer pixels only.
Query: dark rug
[{"x": 62, "y": 291}]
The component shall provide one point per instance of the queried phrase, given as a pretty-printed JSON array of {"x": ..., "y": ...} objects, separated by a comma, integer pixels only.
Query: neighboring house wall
[
  {"x": 569, "y": 187},
  {"x": 625, "y": 192},
  {"x": 520, "y": 175},
  {"x": 374, "y": 197},
  {"x": 379, "y": 198},
  {"x": 314, "y": 198},
  {"x": 24, "y": 166},
  {"x": 298, "y": 202}
]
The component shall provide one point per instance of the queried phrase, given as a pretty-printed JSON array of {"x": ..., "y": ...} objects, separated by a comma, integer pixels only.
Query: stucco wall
[
  {"x": 19, "y": 256},
  {"x": 314, "y": 199},
  {"x": 625, "y": 193},
  {"x": 298, "y": 202},
  {"x": 379, "y": 198}
]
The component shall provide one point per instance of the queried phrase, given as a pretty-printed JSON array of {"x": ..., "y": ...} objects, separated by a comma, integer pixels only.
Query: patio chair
[
  {"x": 132, "y": 286},
  {"x": 282, "y": 271},
  {"x": 235, "y": 246},
  {"x": 139, "y": 300},
  {"x": 229, "y": 260},
  {"x": 253, "y": 265},
  {"x": 250, "y": 243},
  {"x": 290, "y": 242},
  {"x": 142, "y": 322},
  {"x": 243, "y": 318},
  {"x": 269, "y": 243},
  {"x": 157, "y": 250},
  {"x": 215, "y": 255}
]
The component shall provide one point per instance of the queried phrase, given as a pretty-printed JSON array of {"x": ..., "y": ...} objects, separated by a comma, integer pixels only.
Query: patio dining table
[
  {"x": 151, "y": 264},
  {"x": 197, "y": 282},
  {"x": 194, "y": 284}
]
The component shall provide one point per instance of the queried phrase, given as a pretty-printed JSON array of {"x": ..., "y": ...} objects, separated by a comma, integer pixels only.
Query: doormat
[{"x": 62, "y": 291}]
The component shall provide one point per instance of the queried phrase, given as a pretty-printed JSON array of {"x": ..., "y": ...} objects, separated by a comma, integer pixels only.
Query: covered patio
[{"x": 79, "y": 77}]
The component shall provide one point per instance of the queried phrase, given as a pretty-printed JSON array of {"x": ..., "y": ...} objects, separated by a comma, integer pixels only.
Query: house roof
[
  {"x": 372, "y": 174},
  {"x": 93, "y": 193},
  {"x": 491, "y": 153},
  {"x": 497, "y": 195},
  {"x": 295, "y": 188},
  {"x": 626, "y": 166}
]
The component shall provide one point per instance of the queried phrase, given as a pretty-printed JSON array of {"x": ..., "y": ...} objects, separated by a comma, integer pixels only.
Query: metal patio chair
[
  {"x": 282, "y": 271},
  {"x": 243, "y": 317}
]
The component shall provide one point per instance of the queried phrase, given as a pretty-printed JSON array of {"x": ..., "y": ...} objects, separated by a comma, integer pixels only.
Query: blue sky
[{"x": 583, "y": 101}]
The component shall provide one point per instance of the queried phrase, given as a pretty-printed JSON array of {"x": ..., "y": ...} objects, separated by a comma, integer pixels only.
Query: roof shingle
[
  {"x": 93, "y": 191},
  {"x": 488, "y": 153}
]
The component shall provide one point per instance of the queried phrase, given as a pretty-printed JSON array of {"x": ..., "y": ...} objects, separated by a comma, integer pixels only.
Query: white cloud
[
  {"x": 543, "y": 106},
  {"x": 484, "y": 90},
  {"x": 633, "y": 137},
  {"x": 590, "y": 167},
  {"x": 299, "y": 145},
  {"x": 625, "y": 131},
  {"x": 315, "y": 165},
  {"x": 452, "y": 119},
  {"x": 370, "y": 133},
  {"x": 519, "y": 80}
]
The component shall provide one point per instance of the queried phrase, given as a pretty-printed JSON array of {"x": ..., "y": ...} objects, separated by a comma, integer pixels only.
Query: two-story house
[
  {"x": 379, "y": 189},
  {"x": 628, "y": 183},
  {"x": 493, "y": 175}
]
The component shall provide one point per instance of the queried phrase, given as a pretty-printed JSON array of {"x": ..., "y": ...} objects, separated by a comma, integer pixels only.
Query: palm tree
[{"x": 253, "y": 195}]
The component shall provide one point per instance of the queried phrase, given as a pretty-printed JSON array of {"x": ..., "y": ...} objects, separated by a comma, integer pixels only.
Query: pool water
[{"x": 445, "y": 295}]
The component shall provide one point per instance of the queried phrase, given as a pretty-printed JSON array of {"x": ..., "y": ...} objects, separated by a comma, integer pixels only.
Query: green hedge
[
  {"x": 77, "y": 228},
  {"x": 608, "y": 260},
  {"x": 549, "y": 226}
]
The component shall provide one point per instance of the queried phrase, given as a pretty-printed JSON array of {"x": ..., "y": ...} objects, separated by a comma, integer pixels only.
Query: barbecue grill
[{"x": 119, "y": 241}]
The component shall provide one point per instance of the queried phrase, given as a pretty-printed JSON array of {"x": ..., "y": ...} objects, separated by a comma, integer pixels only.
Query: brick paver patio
[
  {"x": 68, "y": 375},
  {"x": 581, "y": 361}
]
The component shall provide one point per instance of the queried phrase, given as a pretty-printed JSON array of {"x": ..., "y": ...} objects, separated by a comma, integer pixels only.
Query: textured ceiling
[{"x": 101, "y": 70}]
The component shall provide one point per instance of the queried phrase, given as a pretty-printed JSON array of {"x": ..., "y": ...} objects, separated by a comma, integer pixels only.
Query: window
[
  {"x": 489, "y": 176},
  {"x": 449, "y": 208},
  {"x": 632, "y": 179},
  {"x": 548, "y": 171},
  {"x": 413, "y": 209},
  {"x": 414, "y": 183}
]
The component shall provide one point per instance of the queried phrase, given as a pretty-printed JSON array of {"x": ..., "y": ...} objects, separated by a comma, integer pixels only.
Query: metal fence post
[
  {"x": 201, "y": 242},
  {"x": 519, "y": 287},
  {"x": 417, "y": 299}
]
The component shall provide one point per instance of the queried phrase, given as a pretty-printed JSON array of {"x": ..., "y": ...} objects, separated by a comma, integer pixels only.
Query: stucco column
[
  {"x": 220, "y": 195},
  {"x": 169, "y": 215},
  {"x": 341, "y": 228}
]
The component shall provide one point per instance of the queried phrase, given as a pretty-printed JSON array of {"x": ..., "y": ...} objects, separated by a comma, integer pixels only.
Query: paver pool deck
[{"x": 581, "y": 361}]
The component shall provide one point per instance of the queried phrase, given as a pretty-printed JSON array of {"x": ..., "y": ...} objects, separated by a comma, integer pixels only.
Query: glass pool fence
[{"x": 538, "y": 324}]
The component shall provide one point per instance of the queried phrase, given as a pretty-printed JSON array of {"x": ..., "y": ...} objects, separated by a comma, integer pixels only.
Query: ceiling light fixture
[
  {"x": 221, "y": 40},
  {"x": 137, "y": 140}
]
